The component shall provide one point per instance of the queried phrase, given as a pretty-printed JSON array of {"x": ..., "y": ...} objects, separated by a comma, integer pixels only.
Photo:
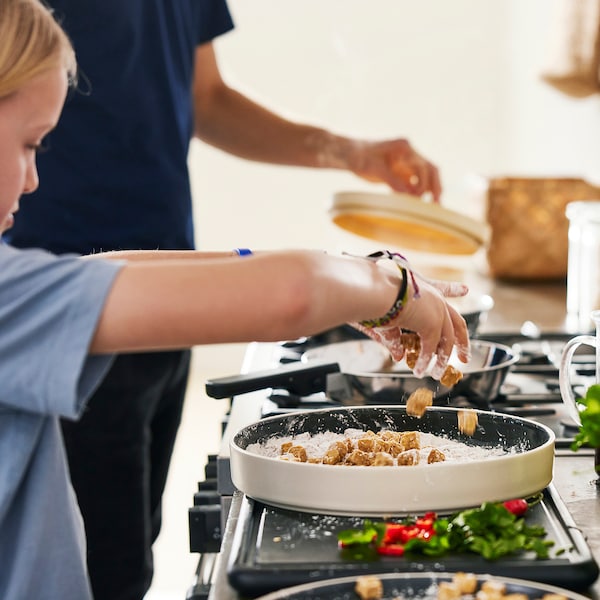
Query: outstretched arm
[
  {"x": 163, "y": 303},
  {"x": 231, "y": 121}
]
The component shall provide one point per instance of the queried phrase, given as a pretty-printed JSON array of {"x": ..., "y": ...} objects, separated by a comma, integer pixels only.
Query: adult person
[{"x": 116, "y": 178}]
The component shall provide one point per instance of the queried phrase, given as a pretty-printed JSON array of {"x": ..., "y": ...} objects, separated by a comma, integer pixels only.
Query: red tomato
[
  {"x": 411, "y": 532},
  {"x": 517, "y": 507},
  {"x": 425, "y": 534},
  {"x": 425, "y": 522},
  {"x": 394, "y": 532},
  {"x": 391, "y": 550}
]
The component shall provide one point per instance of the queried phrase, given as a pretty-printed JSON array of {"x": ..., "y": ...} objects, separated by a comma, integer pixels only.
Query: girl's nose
[{"x": 31, "y": 180}]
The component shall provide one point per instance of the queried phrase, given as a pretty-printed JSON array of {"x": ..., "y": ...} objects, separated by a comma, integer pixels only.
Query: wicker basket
[{"x": 528, "y": 226}]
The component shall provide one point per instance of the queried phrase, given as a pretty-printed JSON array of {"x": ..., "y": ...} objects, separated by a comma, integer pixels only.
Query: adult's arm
[{"x": 236, "y": 124}]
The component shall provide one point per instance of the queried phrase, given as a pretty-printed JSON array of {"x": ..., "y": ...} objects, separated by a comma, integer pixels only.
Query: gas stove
[{"x": 530, "y": 389}]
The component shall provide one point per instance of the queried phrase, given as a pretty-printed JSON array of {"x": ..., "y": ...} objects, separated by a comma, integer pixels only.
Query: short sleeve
[
  {"x": 49, "y": 310},
  {"x": 212, "y": 19}
]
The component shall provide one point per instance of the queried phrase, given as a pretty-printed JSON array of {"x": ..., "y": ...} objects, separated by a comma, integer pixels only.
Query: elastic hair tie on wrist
[{"x": 243, "y": 251}]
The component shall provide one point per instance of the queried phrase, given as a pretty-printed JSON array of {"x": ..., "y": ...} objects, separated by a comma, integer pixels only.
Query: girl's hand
[{"x": 439, "y": 326}]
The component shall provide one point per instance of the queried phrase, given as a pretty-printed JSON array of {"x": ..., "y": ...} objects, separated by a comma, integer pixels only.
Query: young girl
[{"x": 62, "y": 318}]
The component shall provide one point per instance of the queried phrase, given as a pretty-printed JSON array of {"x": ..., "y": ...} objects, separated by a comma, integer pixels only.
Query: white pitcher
[{"x": 566, "y": 390}]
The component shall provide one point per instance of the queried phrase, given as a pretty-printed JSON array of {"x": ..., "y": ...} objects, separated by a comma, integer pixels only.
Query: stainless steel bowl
[
  {"x": 376, "y": 379},
  {"x": 474, "y": 309}
]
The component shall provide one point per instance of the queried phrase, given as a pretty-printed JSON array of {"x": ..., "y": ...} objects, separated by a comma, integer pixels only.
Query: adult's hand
[{"x": 398, "y": 164}]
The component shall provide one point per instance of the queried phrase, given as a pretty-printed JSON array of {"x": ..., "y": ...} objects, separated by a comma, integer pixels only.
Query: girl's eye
[{"x": 43, "y": 146}]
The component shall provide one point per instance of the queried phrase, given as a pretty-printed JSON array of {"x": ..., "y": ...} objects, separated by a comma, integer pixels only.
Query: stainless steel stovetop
[{"x": 530, "y": 390}]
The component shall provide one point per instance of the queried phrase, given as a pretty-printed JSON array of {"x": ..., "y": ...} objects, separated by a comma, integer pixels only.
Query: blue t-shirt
[
  {"x": 115, "y": 175},
  {"x": 49, "y": 309}
]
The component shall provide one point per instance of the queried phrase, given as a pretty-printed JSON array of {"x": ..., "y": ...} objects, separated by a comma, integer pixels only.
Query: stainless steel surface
[
  {"x": 574, "y": 477},
  {"x": 544, "y": 304}
]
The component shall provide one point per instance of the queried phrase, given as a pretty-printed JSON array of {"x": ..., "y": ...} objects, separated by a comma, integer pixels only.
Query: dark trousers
[{"x": 119, "y": 455}]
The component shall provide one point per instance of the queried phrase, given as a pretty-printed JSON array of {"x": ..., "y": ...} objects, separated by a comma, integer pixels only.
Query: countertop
[{"x": 542, "y": 303}]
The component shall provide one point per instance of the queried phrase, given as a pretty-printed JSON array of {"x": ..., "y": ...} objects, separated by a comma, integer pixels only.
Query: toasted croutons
[
  {"x": 382, "y": 459},
  {"x": 448, "y": 590},
  {"x": 451, "y": 376},
  {"x": 412, "y": 348},
  {"x": 435, "y": 455},
  {"x": 369, "y": 587},
  {"x": 491, "y": 590},
  {"x": 410, "y": 440},
  {"x": 359, "y": 458},
  {"x": 408, "y": 458},
  {"x": 298, "y": 452},
  {"x": 466, "y": 582},
  {"x": 418, "y": 401},
  {"x": 467, "y": 421}
]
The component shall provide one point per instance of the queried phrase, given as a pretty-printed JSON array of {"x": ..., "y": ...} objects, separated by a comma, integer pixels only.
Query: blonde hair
[{"x": 31, "y": 42}]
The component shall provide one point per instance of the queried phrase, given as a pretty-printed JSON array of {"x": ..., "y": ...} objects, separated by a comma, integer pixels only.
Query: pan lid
[{"x": 407, "y": 222}]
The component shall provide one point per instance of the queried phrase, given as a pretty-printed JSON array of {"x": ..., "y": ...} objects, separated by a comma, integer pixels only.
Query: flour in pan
[{"x": 384, "y": 448}]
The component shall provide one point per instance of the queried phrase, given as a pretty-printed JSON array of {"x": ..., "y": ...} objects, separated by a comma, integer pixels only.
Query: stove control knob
[
  {"x": 205, "y": 528},
  {"x": 207, "y": 497}
]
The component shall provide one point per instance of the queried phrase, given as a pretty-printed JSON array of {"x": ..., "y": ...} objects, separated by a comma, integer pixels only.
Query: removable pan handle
[{"x": 296, "y": 378}]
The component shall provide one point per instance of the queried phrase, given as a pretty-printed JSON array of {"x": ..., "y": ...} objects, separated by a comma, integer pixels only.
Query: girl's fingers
[
  {"x": 451, "y": 289},
  {"x": 462, "y": 343},
  {"x": 392, "y": 340},
  {"x": 444, "y": 349}
]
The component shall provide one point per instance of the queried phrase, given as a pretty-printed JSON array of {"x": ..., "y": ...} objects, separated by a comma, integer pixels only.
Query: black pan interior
[{"x": 493, "y": 429}]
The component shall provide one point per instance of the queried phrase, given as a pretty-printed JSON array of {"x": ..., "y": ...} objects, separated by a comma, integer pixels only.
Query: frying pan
[
  {"x": 375, "y": 379},
  {"x": 360, "y": 371},
  {"x": 412, "y": 585},
  {"x": 525, "y": 468}
]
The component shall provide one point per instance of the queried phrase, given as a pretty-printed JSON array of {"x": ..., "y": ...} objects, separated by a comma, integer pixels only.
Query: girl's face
[{"x": 25, "y": 118}]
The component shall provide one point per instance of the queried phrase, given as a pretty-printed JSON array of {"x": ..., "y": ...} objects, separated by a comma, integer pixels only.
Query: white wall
[{"x": 459, "y": 78}]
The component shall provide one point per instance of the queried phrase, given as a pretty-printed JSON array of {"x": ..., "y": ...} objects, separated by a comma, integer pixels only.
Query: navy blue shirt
[{"x": 115, "y": 175}]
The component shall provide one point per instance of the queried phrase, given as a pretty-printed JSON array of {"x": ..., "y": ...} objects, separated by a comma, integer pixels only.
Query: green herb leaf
[
  {"x": 589, "y": 432},
  {"x": 371, "y": 532},
  {"x": 491, "y": 531}
]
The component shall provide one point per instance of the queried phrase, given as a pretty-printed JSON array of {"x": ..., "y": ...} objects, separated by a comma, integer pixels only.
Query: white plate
[{"x": 407, "y": 222}]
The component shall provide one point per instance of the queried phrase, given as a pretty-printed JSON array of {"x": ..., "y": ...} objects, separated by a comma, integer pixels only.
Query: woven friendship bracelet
[
  {"x": 399, "y": 260},
  {"x": 402, "y": 296},
  {"x": 399, "y": 303}
]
